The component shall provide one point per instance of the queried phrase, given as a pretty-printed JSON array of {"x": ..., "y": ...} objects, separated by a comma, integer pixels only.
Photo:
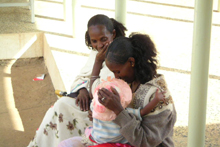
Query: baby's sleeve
[{"x": 136, "y": 112}]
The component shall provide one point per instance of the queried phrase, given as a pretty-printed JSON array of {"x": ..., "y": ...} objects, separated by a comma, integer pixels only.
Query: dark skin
[
  {"x": 82, "y": 99},
  {"x": 121, "y": 71},
  {"x": 100, "y": 38},
  {"x": 126, "y": 72},
  {"x": 90, "y": 115},
  {"x": 112, "y": 100}
]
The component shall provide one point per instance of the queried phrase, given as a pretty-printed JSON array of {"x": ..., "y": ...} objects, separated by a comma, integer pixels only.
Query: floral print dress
[
  {"x": 62, "y": 121},
  {"x": 65, "y": 120}
]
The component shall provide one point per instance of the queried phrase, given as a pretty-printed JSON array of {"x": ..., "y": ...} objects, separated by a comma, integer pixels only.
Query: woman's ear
[
  {"x": 114, "y": 34},
  {"x": 131, "y": 60}
]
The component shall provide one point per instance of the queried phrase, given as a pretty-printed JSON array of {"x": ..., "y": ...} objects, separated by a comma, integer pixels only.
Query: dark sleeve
[
  {"x": 151, "y": 131},
  {"x": 75, "y": 94}
]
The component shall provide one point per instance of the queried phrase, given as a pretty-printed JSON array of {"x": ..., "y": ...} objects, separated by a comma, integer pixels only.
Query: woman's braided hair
[{"x": 141, "y": 48}]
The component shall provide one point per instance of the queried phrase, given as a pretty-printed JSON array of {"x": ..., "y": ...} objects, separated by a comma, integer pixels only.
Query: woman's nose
[{"x": 100, "y": 46}]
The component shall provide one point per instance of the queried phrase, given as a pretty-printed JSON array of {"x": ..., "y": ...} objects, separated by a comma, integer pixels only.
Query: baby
[
  {"x": 105, "y": 132},
  {"x": 103, "y": 129}
]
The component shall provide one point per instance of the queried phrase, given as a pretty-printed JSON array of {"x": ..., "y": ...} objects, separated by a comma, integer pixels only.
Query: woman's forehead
[
  {"x": 98, "y": 29},
  {"x": 113, "y": 66}
]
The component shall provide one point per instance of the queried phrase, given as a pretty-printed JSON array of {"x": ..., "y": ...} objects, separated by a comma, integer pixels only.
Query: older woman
[{"x": 68, "y": 117}]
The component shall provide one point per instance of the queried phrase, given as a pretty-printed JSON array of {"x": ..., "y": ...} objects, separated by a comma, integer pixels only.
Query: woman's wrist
[
  {"x": 93, "y": 78},
  {"x": 118, "y": 111},
  {"x": 82, "y": 89},
  {"x": 96, "y": 68},
  {"x": 98, "y": 62}
]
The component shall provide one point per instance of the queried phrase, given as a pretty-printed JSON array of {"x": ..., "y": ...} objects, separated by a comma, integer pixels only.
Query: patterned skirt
[{"x": 62, "y": 121}]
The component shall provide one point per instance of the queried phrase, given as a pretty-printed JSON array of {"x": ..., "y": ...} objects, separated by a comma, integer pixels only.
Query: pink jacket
[{"x": 102, "y": 113}]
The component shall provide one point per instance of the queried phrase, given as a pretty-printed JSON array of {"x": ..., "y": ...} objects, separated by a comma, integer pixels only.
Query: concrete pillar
[
  {"x": 64, "y": 9},
  {"x": 121, "y": 11},
  {"x": 199, "y": 72},
  {"x": 218, "y": 5}
]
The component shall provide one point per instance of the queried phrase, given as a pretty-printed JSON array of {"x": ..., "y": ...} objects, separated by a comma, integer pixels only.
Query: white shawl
[{"x": 83, "y": 79}]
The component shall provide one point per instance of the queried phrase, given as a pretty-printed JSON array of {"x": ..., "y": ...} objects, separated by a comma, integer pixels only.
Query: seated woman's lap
[
  {"x": 75, "y": 119},
  {"x": 62, "y": 121},
  {"x": 72, "y": 142}
]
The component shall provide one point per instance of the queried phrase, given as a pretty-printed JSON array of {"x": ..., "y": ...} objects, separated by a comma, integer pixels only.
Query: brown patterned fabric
[{"x": 156, "y": 128}]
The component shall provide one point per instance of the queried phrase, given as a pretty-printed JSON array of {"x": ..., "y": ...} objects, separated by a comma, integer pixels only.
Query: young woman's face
[
  {"x": 122, "y": 71},
  {"x": 99, "y": 36}
]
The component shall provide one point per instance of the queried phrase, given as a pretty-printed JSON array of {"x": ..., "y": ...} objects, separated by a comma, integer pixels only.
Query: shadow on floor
[{"x": 24, "y": 101}]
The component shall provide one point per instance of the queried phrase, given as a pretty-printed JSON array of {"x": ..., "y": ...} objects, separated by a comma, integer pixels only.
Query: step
[{"x": 64, "y": 58}]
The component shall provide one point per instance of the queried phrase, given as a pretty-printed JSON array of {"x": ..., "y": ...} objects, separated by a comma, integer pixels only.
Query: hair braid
[
  {"x": 119, "y": 28},
  {"x": 145, "y": 57}
]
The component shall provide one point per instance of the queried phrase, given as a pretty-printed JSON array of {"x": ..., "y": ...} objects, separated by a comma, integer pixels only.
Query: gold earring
[{"x": 132, "y": 65}]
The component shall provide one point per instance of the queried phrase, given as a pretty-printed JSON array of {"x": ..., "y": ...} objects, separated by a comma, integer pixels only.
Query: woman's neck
[{"x": 134, "y": 86}]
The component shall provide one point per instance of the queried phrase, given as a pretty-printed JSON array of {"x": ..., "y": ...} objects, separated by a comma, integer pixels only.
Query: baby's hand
[{"x": 160, "y": 96}]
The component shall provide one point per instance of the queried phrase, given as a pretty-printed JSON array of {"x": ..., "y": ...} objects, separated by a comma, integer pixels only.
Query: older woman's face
[
  {"x": 122, "y": 71},
  {"x": 99, "y": 36}
]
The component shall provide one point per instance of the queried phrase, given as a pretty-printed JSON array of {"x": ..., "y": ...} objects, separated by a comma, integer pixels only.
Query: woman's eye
[
  {"x": 93, "y": 41},
  {"x": 104, "y": 39}
]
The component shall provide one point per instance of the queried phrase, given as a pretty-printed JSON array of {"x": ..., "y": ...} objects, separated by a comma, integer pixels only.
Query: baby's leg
[{"x": 72, "y": 142}]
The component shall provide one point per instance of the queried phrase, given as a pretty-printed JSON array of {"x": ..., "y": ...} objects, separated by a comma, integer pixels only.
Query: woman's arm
[
  {"x": 151, "y": 131},
  {"x": 154, "y": 129},
  {"x": 82, "y": 79},
  {"x": 81, "y": 83},
  {"x": 95, "y": 74},
  {"x": 100, "y": 58}
]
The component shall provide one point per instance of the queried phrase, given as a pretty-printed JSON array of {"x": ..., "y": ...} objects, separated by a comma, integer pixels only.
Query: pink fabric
[
  {"x": 72, "y": 142},
  {"x": 102, "y": 113},
  {"x": 109, "y": 144},
  {"x": 112, "y": 145},
  {"x": 88, "y": 131}
]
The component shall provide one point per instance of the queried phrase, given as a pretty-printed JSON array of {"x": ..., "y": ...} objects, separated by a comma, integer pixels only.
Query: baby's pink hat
[{"x": 101, "y": 112}]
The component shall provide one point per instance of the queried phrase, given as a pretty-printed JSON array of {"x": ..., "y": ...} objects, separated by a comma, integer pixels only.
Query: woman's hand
[
  {"x": 110, "y": 100},
  {"x": 90, "y": 115},
  {"x": 100, "y": 57},
  {"x": 83, "y": 99}
]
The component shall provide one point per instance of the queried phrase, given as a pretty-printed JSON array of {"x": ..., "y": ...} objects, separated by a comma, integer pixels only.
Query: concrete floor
[
  {"x": 169, "y": 23},
  {"x": 23, "y": 102}
]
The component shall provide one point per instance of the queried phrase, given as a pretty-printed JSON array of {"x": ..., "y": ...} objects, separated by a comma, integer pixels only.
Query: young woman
[
  {"x": 134, "y": 60},
  {"x": 68, "y": 116}
]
